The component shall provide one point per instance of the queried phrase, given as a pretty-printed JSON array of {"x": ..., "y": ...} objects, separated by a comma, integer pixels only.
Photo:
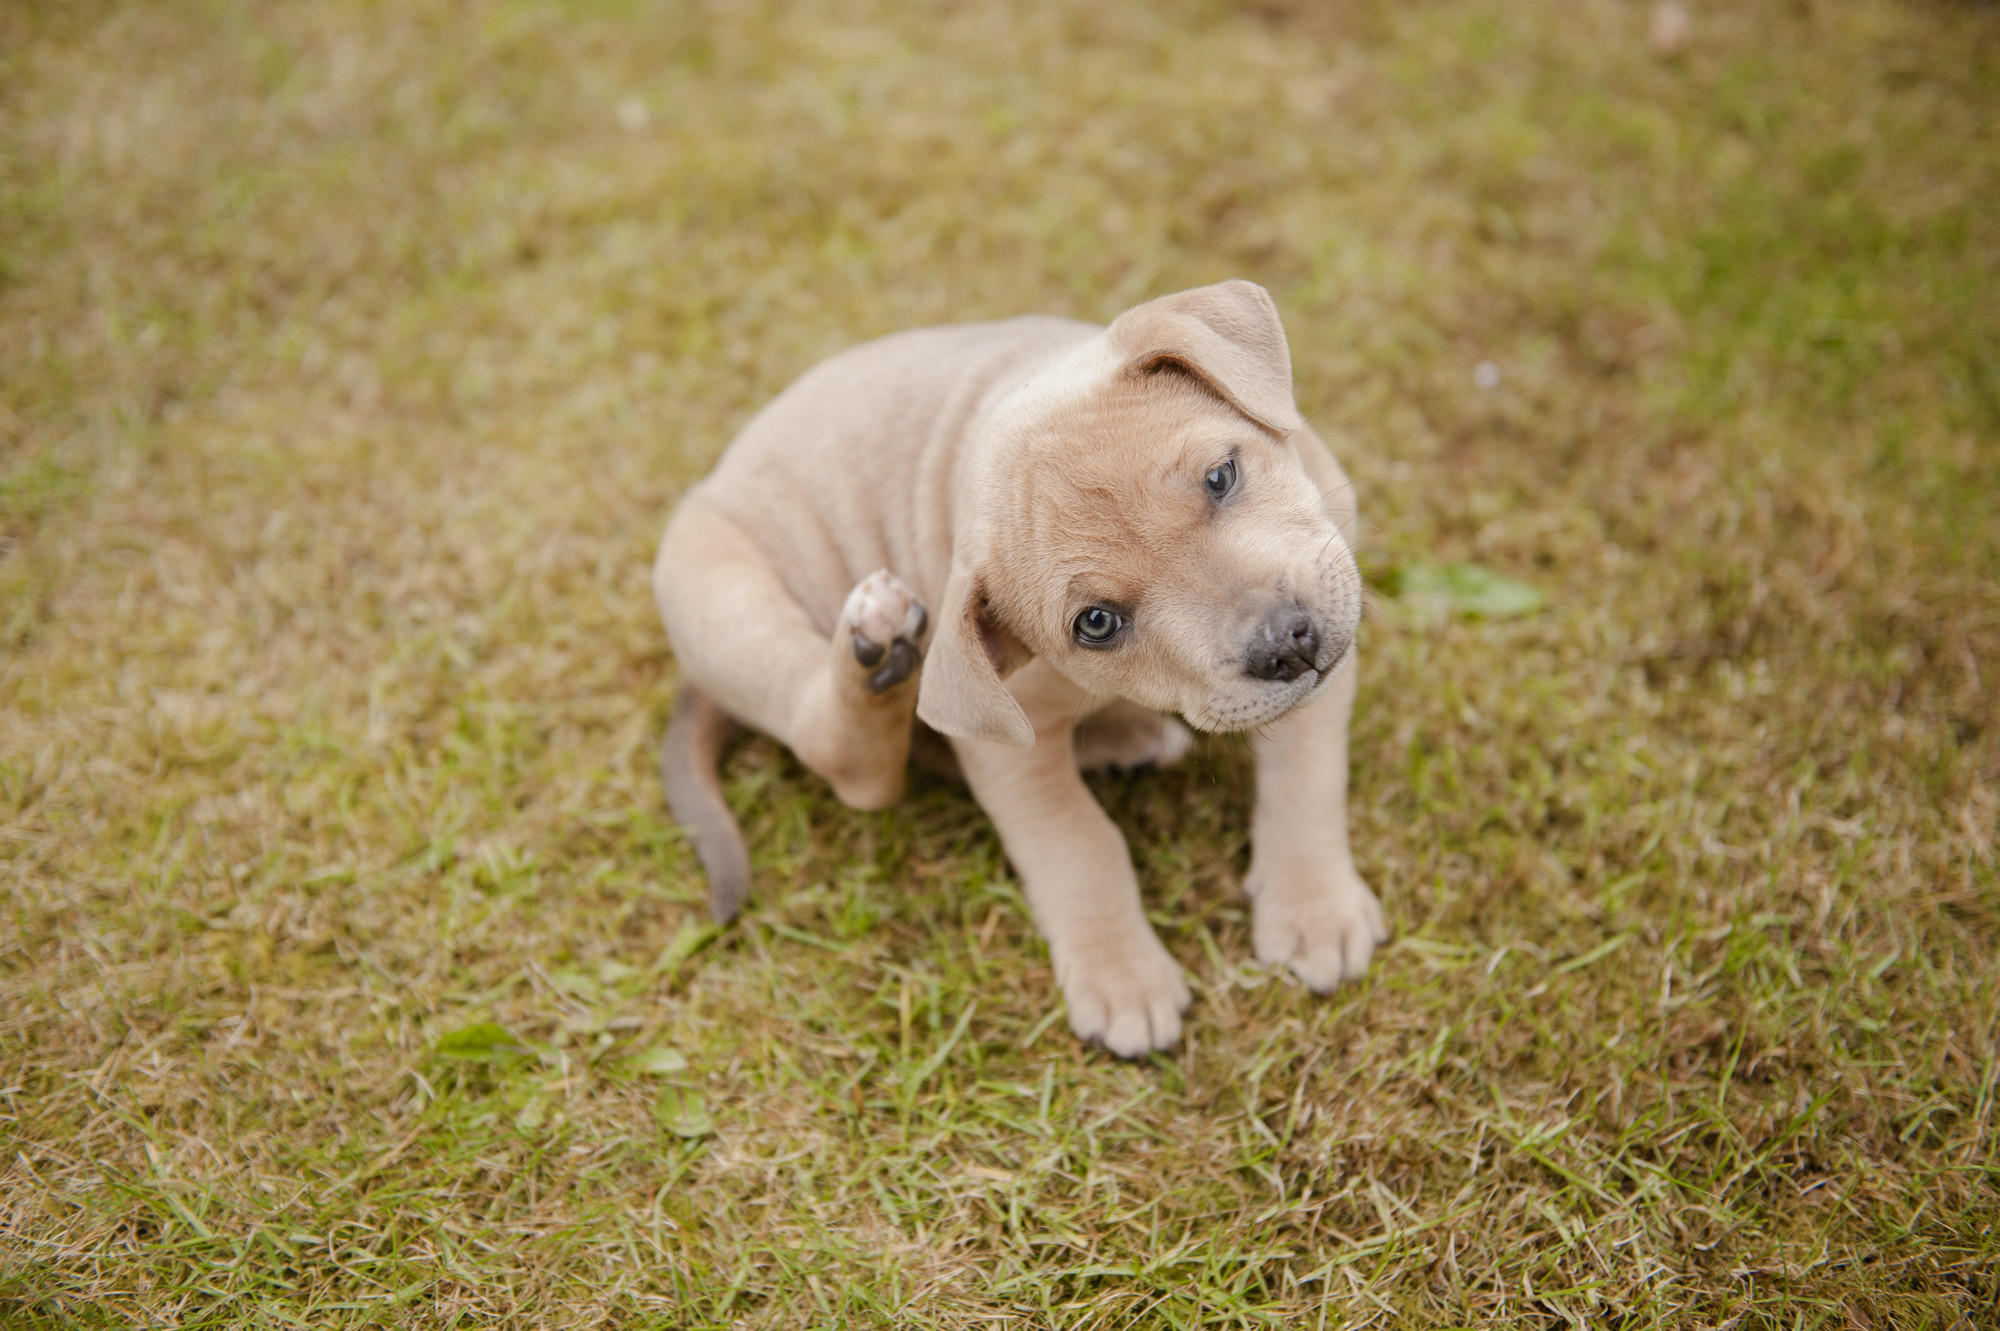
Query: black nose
[{"x": 1283, "y": 646}]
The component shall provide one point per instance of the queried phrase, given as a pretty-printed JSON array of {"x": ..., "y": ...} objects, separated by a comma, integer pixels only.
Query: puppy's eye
[
  {"x": 1221, "y": 479},
  {"x": 1097, "y": 626}
]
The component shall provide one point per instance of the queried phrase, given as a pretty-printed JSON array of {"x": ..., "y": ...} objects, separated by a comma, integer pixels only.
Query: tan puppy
[{"x": 1108, "y": 525}]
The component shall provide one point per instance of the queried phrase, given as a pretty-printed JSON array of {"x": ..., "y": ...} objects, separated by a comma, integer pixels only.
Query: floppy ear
[
  {"x": 1228, "y": 336},
  {"x": 960, "y": 692}
]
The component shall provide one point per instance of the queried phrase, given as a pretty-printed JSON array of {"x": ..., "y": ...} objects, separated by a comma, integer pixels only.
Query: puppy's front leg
[
  {"x": 1121, "y": 986},
  {"x": 1311, "y": 910}
]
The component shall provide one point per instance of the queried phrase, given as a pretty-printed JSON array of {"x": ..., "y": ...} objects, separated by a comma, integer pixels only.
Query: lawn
[{"x": 353, "y": 974}]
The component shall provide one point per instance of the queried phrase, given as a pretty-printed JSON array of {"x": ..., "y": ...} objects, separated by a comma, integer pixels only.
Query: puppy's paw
[
  {"x": 1127, "y": 996},
  {"x": 1325, "y": 930},
  {"x": 884, "y": 619}
]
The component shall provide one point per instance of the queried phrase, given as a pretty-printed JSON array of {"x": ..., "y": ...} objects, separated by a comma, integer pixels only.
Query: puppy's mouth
[{"x": 1224, "y": 714}]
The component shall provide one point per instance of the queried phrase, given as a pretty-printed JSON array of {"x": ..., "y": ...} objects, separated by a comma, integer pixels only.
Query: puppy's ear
[
  {"x": 1228, "y": 336},
  {"x": 960, "y": 692}
]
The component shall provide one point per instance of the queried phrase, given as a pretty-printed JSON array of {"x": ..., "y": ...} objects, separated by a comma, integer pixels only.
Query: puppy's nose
[{"x": 1284, "y": 646}]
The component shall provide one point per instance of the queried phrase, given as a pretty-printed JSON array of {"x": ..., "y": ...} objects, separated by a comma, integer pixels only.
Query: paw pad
[{"x": 885, "y": 619}]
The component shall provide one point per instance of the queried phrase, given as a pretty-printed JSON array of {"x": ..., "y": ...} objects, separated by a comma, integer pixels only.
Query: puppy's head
[{"x": 1138, "y": 515}]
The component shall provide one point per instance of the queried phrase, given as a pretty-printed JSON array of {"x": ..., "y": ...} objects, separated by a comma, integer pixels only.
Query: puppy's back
[{"x": 850, "y": 469}]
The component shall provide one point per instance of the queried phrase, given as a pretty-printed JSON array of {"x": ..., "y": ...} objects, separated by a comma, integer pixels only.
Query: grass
[{"x": 351, "y": 973}]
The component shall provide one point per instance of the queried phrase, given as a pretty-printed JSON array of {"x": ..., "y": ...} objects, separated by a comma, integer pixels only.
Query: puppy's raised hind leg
[
  {"x": 852, "y": 723},
  {"x": 843, "y": 703},
  {"x": 880, "y": 625}
]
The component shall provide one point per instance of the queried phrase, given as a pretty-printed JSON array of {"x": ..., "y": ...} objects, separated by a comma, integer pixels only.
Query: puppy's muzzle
[{"x": 1283, "y": 646}]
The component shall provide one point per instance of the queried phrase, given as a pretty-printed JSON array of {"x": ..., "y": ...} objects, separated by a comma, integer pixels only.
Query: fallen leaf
[
  {"x": 660, "y": 1062},
  {"x": 692, "y": 937},
  {"x": 484, "y": 1042},
  {"x": 1464, "y": 589},
  {"x": 679, "y": 1110}
]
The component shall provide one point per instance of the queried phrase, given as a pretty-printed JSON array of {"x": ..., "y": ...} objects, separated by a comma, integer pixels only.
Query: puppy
[{"x": 1041, "y": 540}]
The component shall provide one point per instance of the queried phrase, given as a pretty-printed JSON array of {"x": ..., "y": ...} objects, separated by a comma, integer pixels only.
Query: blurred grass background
[{"x": 351, "y": 974}]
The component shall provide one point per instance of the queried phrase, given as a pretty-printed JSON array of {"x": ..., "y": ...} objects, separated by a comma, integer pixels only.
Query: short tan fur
[{"x": 929, "y": 530}]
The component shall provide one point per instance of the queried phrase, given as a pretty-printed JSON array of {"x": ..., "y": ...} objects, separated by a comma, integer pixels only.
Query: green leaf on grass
[
  {"x": 661, "y": 1062},
  {"x": 692, "y": 937},
  {"x": 1464, "y": 589},
  {"x": 484, "y": 1042},
  {"x": 679, "y": 1110}
]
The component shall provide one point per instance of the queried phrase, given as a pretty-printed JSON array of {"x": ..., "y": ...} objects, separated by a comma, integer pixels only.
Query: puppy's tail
[{"x": 688, "y": 758}]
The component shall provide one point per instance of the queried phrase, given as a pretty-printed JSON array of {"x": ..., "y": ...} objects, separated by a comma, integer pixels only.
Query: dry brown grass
[{"x": 351, "y": 356}]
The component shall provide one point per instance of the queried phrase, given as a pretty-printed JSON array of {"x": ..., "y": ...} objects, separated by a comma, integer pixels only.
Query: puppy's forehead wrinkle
[
  {"x": 1157, "y": 425},
  {"x": 1090, "y": 583},
  {"x": 1108, "y": 522},
  {"x": 1112, "y": 485}
]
